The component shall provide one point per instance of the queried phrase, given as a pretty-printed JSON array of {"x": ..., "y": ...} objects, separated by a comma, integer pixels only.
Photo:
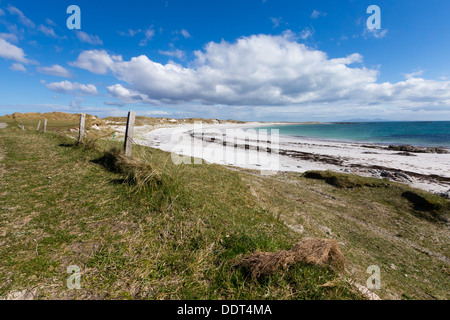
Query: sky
[{"x": 253, "y": 60}]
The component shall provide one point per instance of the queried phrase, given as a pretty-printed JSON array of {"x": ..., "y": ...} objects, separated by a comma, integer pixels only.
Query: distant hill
[
  {"x": 49, "y": 116},
  {"x": 140, "y": 120}
]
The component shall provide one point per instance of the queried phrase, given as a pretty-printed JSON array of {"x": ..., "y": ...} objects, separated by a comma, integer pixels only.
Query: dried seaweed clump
[{"x": 309, "y": 251}]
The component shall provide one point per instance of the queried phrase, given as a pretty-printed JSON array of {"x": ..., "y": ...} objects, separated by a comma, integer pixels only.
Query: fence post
[
  {"x": 45, "y": 125},
  {"x": 39, "y": 125},
  {"x": 129, "y": 133},
  {"x": 82, "y": 122}
]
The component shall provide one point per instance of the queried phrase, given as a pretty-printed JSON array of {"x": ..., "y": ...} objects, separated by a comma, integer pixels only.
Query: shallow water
[{"x": 433, "y": 133}]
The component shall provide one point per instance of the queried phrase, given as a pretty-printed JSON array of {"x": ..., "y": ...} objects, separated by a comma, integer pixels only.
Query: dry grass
[
  {"x": 319, "y": 252},
  {"x": 374, "y": 225},
  {"x": 180, "y": 238},
  {"x": 176, "y": 238}
]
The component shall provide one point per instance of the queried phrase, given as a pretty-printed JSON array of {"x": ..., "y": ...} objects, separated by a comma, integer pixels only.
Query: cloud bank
[{"x": 264, "y": 70}]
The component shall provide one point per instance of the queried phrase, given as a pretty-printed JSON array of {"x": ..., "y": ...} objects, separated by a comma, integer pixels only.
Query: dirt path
[{"x": 3, "y": 125}]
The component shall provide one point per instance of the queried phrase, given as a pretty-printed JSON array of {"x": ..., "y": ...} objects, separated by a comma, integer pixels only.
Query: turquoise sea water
[{"x": 435, "y": 133}]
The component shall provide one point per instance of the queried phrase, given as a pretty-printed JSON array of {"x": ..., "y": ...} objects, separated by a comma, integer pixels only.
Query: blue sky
[{"x": 248, "y": 60}]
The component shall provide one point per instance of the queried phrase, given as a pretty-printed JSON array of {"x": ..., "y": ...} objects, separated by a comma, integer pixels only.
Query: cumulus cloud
[
  {"x": 22, "y": 18},
  {"x": 68, "y": 87},
  {"x": 55, "y": 70},
  {"x": 87, "y": 38},
  {"x": 96, "y": 61},
  {"x": 119, "y": 91},
  {"x": 128, "y": 96},
  {"x": 18, "y": 67},
  {"x": 11, "y": 52},
  {"x": 262, "y": 70}
]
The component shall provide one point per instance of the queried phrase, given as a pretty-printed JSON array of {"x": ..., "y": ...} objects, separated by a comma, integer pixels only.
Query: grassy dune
[
  {"x": 179, "y": 235},
  {"x": 61, "y": 206}
]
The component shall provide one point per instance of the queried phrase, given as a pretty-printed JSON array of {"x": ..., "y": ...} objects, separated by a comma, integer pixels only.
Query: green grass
[
  {"x": 375, "y": 224},
  {"x": 175, "y": 239},
  {"x": 425, "y": 205}
]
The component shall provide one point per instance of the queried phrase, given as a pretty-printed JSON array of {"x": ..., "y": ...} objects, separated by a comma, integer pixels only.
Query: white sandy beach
[{"x": 226, "y": 144}]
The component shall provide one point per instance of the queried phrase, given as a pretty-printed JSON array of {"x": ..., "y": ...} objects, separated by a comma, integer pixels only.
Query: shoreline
[{"x": 426, "y": 171}]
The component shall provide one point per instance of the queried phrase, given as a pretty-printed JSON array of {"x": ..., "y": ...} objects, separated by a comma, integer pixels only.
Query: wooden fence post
[
  {"x": 45, "y": 125},
  {"x": 39, "y": 125},
  {"x": 129, "y": 133},
  {"x": 82, "y": 122}
]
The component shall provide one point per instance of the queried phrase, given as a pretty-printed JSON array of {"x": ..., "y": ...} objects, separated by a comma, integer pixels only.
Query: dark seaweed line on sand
[{"x": 325, "y": 159}]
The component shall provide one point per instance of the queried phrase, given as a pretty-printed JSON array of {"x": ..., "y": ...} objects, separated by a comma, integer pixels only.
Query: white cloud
[
  {"x": 316, "y": 14},
  {"x": 128, "y": 96},
  {"x": 185, "y": 33},
  {"x": 18, "y": 67},
  {"x": 87, "y": 38},
  {"x": 115, "y": 103},
  {"x": 96, "y": 61},
  {"x": 55, "y": 70},
  {"x": 22, "y": 18},
  {"x": 11, "y": 52},
  {"x": 376, "y": 33},
  {"x": 173, "y": 53},
  {"x": 48, "y": 31},
  {"x": 119, "y": 91},
  {"x": 77, "y": 102},
  {"x": 264, "y": 70},
  {"x": 306, "y": 33},
  {"x": 50, "y": 22},
  {"x": 413, "y": 74},
  {"x": 276, "y": 21},
  {"x": 130, "y": 32},
  {"x": 2, "y": 13},
  {"x": 353, "y": 58},
  {"x": 68, "y": 87},
  {"x": 9, "y": 37},
  {"x": 149, "y": 33}
]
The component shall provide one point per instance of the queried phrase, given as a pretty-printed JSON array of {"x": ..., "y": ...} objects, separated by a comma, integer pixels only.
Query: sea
[{"x": 416, "y": 133}]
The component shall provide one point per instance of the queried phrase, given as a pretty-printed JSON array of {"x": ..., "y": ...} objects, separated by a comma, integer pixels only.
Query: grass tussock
[
  {"x": 425, "y": 205},
  {"x": 138, "y": 172},
  {"x": 342, "y": 180},
  {"x": 428, "y": 206},
  {"x": 319, "y": 252},
  {"x": 161, "y": 189}
]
